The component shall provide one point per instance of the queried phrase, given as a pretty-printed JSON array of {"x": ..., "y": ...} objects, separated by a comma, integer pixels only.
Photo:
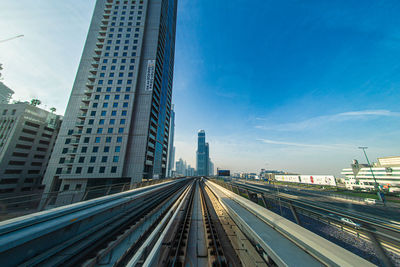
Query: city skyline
[{"x": 270, "y": 107}]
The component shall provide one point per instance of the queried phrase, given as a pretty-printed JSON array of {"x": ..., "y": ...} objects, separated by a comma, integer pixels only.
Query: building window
[
  {"x": 119, "y": 139},
  {"x": 59, "y": 170},
  {"x": 90, "y": 170},
  {"x": 120, "y": 130},
  {"x": 113, "y": 169},
  {"x": 99, "y": 130},
  {"x": 110, "y": 130},
  {"x": 84, "y": 149},
  {"x": 102, "y": 169},
  {"x": 115, "y": 158},
  {"x": 66, "y": 187},
  {"x": 108, "y": 139},
  {"x": 78, "y": 170},
  {"x": 81, "y": 159},
  {"x": 86, "y": 140},
  {"x": 106, "y": 149},
  {"x": 97, "y": 140},
  {"x": 104, "y": 159},
  {"x": 117, "y": 149},
  {"x": 92, "y": 159},
  {"x": 122, "y": 121},
  {"x": 95, "y": 149}
]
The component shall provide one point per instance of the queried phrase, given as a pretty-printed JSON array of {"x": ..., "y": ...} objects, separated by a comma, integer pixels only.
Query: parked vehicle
[
  {"x": 370, "y": 200},
  {"x": 349, "y": 222}
]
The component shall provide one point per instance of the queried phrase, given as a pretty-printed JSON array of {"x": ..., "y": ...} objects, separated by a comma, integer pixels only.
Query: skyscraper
[
  {"x": 171, "y": 148},
  {"x": 202, "y": 154},
  {"x": 116, "y": 125},
  {"x": 5, "y": 94}
]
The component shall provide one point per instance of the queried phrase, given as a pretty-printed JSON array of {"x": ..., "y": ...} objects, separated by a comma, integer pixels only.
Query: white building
[
  {"x": 27, "y": 137},
  {"x": 386, "y": 172}
]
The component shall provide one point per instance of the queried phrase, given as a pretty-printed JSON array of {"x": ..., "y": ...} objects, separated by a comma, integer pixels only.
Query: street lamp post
[{"x": 376, "y": 186}]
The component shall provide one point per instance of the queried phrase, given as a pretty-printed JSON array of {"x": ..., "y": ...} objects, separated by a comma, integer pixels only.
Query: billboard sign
[
  {"x": 224, "y": 173},
  {"x": 307, "y": 179}
]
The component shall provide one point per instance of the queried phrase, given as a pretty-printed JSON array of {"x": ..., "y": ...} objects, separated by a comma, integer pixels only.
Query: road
[{"x": 380, "y": 211}]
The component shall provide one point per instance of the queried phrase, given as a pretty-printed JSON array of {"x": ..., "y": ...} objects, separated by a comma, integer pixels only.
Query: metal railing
[{"x": 11, "y": 207}]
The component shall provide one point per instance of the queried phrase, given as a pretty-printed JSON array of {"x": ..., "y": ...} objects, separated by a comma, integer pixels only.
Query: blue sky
[{"x": 291, "y": 85}]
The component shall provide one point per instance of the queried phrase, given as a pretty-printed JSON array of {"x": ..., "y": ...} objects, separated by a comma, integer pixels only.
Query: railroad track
[{"x": 186, "y": 222}]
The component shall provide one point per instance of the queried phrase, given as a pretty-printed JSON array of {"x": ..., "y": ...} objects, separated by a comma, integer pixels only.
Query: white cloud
[
  {"x": 316, "y": 146},
  {"x": 320, "y": 120}
]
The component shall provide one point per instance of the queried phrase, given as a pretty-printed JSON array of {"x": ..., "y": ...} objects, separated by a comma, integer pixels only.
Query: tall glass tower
[
  {"x": 202, "y": 154},
  {"x": 116, "y": 126}
]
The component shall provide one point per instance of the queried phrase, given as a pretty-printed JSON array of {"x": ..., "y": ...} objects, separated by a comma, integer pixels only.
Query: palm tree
[
  {"x": 53, "y": 109},
  {"x": 35, "y": 102}
]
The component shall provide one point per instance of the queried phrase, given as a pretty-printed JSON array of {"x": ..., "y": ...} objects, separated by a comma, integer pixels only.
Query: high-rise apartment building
[
  {"x": 116, "y": 125},
  {"x": 202, "y": 154},
  {"x": 171, "y": 148},
  {"x": 5, "y": 94},
  {"x": 27, "y": 137},
  {"x": 181, "y": 167}
]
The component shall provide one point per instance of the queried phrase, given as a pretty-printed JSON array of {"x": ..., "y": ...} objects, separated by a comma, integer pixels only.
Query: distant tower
[{"x": 202, "y": 154}]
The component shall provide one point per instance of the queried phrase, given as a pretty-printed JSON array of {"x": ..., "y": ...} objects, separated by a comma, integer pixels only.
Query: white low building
[{"x": 386, "y": 172}]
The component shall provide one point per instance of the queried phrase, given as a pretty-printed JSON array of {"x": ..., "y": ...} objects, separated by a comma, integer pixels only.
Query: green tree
[
  {"x": 53, "y": 109},
  {"x": 35, "y": 102}
]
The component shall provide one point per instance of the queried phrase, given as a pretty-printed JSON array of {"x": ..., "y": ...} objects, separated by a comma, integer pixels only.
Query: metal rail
[
  {"x": 277, "y": 235},
  {"x": 367, "y": 224},
  {"x": 217, "y": 251},
  {"x": 43, "y": 236},
  {"x": 179, "y": 248}
]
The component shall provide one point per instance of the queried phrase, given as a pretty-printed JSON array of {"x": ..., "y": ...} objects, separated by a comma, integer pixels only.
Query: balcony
[
  {"x": 75, "y": 142},
  {"x": 66, "y": 171},
  {"x": 82, "y": 115},
  {"x": 80, "y": 124},
  {"x": 151, "y": 145},
  {"x": 72, "y": 151},
  {"x": 90, "y": 85},
  {"x": 88, "y": 92},
  {"x": 84, "y": 107},
  {"x": 86, "y": 99},
  {"x": 149, "y": 153},
  {"x": 98, "y": 51},
  {"x": 149, "y": 162},
  {"x": 96, "y": 58},
  {"x": 92, "y": 77},
  {"x": 77, "y": 133},
  {"x": 101, "y": 39},
  {"x": 99, "y": 45},
  {"x": 102, "y": 33}
]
